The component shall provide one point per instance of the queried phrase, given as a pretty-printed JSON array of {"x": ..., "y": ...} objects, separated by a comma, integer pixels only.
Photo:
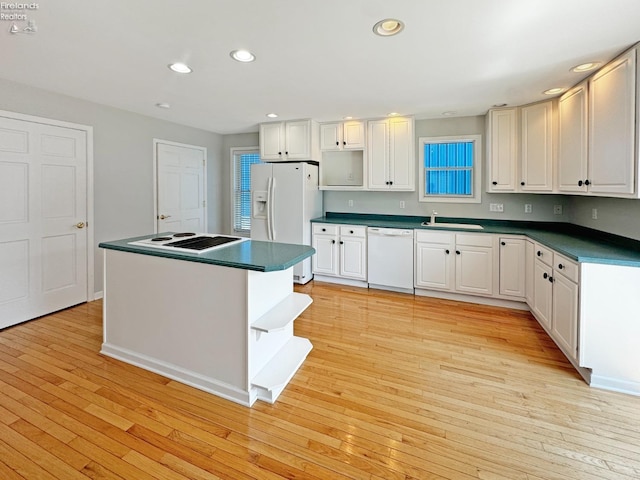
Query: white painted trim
[
  {"x": 156, "y": 142},
  {"x": 615, "y": 385},
  {"x": 232, "y": 153},
  {"x": 340, "y": 281},
  {"x": 477, "y": 169},
  {"x": 90, "y": 206},
  {"x": 461, "y": 297},
  {"x": 188, "y": 377},
  {"x": 98, "y": 295}
]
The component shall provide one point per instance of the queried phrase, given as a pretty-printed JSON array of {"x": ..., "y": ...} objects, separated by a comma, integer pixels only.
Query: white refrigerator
[{"x": 284, "y": 199}]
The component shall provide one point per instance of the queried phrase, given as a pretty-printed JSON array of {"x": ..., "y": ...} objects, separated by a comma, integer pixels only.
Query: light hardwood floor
[{"x": 397, "y": 387}]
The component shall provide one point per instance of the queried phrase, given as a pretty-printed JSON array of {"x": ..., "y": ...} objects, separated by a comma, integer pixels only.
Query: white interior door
[
  {"x": 181, "y": 188},
  {"x": 43, "y": 218}
]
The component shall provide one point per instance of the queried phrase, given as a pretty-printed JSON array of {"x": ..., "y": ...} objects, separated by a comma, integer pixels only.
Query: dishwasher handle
[{"x": 389, "y": 232}]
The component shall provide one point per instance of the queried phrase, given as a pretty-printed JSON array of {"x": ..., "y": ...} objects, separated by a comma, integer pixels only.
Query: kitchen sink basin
[{"x": 465, "y": 226}]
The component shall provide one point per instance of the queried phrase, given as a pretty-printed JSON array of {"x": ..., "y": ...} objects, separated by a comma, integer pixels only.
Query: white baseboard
[{"x": 98, "y": 295}]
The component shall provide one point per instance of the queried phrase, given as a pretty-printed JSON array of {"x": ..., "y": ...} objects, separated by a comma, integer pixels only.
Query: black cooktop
[{"x": 201, "y": 243}]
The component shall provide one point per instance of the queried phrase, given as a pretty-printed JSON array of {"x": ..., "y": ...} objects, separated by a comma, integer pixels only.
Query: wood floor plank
[{"x": 396, "y": 387}]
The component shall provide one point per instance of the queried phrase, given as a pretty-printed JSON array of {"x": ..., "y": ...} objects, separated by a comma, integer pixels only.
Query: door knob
[
  {"x": 162, "y": 217},
  {"x": 79, "y": 225}
]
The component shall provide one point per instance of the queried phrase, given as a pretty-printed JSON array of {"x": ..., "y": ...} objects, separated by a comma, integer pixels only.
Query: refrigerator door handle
[{"x": 271, "y": 221}]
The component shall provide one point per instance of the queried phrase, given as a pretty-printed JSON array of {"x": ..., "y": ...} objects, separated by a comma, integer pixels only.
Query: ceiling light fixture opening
[
  {"x": 388, "y": 27},
  {"x": 449, "y": 114},
  {"x": 393, "y": 114},
  {"x": 163, "y": 105},
  {"x": 586, "y": 67},
  {"x": 554, "y": 91},
  {"x": 272, "y": 115},
  {"x": 347, "y": 118},
  {"x": 499, "y": 105},
  {"x": 244, "y": 56},
  {"x": 180, "y": 67}
]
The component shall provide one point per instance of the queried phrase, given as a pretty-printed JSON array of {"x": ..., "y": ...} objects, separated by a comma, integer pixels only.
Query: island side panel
[
  {"x": 185, "y": 320},
  {"x": 610, "y": 326}
]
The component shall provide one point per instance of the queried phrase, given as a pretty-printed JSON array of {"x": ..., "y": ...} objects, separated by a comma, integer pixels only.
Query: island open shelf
[{"x": 227, "y": 330}]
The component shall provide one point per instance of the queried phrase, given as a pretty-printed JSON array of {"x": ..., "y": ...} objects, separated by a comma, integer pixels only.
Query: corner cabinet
[
  {"x": 520, "y": 148},
  {"x": 289, "y": 141},
  {"x": 391, "y": 154}
]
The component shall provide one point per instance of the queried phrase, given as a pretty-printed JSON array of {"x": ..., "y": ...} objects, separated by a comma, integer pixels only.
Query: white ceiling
[{"x": 315, "y": 58}]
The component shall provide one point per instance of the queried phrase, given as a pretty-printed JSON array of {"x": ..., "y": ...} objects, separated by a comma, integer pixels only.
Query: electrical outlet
[
  {"x": 557, "y": 209},
  {"x": 496, "y": 207},
  {"x": 528, "y": 208},
  {"x": 594, "y": 213},
  {"x": 401, "y": 203},
  {"x": 351, "y": 203}
]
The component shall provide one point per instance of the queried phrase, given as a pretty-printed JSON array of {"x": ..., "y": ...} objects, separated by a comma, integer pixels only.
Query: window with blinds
[
  {"x": 242, "y": 161},
  {"x": 450, "y": 169}
]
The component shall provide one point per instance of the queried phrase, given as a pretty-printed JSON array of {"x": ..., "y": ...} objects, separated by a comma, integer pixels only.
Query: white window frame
[
  {"x": 476, "y": 171},
  {"x": 233, "y": 152}
]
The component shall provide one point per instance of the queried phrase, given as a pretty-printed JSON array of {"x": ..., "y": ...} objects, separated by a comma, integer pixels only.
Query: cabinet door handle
[
  {"x": 494, "y": 183},
  {"x": 344, "y": 143},
  {"x": 560, "y": 266},
  {"x": 351, "y": 231},
  {"x": 580, "y": 182},
  {"x": 447, "y": 251},
  {"x": 337, "y": 143},
  {"x": 286, "y": 153},
  {"x": 341, "y": 242},
  {"x": 550, "y": 279},
  {"x": 587, "y": 182},
  {"x": 390, "y": 183},
  {"x": 502, "y": 243},
  {"x": 544, "y": 275},
  {"x": 324, "y": 229},
  {"x": 522, "y": 183},
  {"x": 539, "y": 253},
  {"x": 457, "y": 252},
  {"x": 333, "y": 241}
]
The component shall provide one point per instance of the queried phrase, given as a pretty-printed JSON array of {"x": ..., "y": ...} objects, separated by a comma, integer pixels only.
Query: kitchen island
[{"x": 220, "y": 321}]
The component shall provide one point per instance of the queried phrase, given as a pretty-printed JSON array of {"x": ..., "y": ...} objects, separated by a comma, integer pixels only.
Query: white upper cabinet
[
  {"x": 536, "y": 147},
  {"x": 342, "y": 136},
  {"x": 612, "y": 127},
  {"x": 572, "y": 141},
  {"x": 289, "y": 141},
  {"x": 520, "y": 148},
  {"x": 391, "y": 154},
  {"x": 502, "y": 149}
]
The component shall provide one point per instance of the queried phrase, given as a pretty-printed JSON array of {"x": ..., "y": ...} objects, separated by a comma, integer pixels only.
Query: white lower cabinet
[
  {"x": 529, "y": 262},
  {"x": 512, "y": 267},
  {"x": 454, "y": 262},
  {"x": 556, "y": 296},
  {"x": 341, "y": 251},
  {"x": 434, "y": 260}
]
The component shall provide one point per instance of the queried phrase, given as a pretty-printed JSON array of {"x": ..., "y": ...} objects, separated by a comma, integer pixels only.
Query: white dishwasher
[{"x": 390, "y": 258}]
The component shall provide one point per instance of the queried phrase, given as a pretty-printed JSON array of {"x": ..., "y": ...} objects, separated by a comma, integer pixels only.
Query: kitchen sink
[{"x": 465, "y": 226}]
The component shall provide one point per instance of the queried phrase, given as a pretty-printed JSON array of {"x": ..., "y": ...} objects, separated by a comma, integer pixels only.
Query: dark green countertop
[
  {"x": 576, "y": 242},
  {"x": 247, "y": 255}
]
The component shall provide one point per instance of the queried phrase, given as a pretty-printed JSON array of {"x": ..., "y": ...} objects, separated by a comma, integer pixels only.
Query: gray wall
[
  {"x": 123, "y": 160},
  {"x": 615, "y": 215},
  {"x": 389, "y": 202}
]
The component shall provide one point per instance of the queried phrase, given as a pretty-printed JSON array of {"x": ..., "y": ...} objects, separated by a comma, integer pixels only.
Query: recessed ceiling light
[
  {"x": 244, "y": 56},
  {"x": 449, "y": 114},
  {"x": 180, "y": 67},
  {"x": 163, "y": 105},
  {"x": 393, "y": 114},
  {"x": 585, "y": 67},
  {"x": 554, "y": 91},
  {"x": 388, "y": 27},
  {"x": 272, "y": 115},
  {"x": 498, "y": 105},
  {"x": 347, "y": 118}
]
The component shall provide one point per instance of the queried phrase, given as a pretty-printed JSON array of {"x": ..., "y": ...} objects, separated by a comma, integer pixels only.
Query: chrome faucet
[{"x": 432, "y": 221}]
